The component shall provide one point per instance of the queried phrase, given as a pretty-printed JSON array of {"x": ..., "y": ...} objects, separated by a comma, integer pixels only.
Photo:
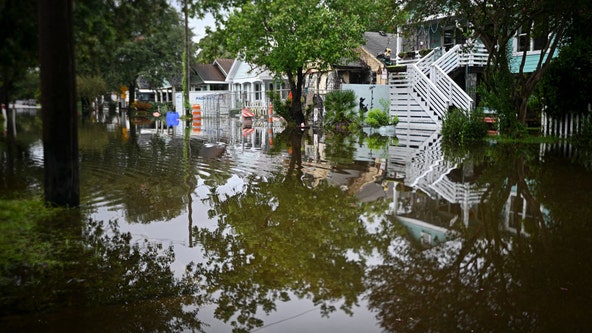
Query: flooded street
[{"x": 225, "y": 229}]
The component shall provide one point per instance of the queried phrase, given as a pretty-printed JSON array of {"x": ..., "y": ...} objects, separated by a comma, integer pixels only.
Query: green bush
[
  {"x": 339, "y": 106},
  {"x": 281, "y": 108},
  {"x": 584, "y": 136},
  {"x": 376, "y": 118},
  {"x": 459, "y": 128}
]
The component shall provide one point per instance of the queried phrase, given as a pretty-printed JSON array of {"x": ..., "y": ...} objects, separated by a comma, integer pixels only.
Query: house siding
[{"x": 530, "y": 64}]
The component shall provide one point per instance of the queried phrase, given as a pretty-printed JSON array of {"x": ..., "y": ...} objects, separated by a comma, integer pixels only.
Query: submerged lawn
[{"x": 21, "y": 243}]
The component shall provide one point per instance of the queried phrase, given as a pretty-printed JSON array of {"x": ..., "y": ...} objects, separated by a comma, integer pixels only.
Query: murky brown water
[{"x": 266, "y": 231}]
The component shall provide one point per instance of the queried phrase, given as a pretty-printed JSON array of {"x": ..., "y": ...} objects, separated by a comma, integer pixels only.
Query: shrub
[
  {"x": 376, "y": 118},
  {"x": 281, "y": 108},
  {"x": 584, "y": 136},
  {"x": 459, "y": 128},
  {"x": 339, "y": 106}
]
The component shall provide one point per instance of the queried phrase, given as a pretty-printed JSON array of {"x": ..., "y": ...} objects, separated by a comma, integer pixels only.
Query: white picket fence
[{"x": 564, "y": 126}]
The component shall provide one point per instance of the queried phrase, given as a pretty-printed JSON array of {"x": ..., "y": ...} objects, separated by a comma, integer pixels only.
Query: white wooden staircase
[{"x": 422, "y": 92}]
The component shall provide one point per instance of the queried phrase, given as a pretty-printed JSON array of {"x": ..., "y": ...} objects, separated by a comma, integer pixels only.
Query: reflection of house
[
  {"x": 519, "y": 215},
  {"x": 438, "y": 196},
  {"x": 427, "y": 234}
]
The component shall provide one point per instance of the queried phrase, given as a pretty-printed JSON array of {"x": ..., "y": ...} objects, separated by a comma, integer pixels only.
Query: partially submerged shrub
[
  {"x": 339, "y": 106},
  {"x": 376, "y": 118},
  {"x": 459, "y": 128}
]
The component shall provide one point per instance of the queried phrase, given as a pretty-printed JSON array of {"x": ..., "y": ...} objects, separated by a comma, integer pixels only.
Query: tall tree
[
  {"x": 143, "y": 30},
  {"x": 567, "y": 84},
  {"x": 18, "y": 51},
  {"x": 496, "y": 23},
  {"x": 287, "y": 37},
  {"x": 213, "y": 46},
  {"x": 58, "y": 97}
]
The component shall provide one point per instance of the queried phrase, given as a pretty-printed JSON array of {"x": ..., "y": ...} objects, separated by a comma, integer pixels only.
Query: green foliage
[
  {"x": 90, "y": 87},
  {"x": 377, "y": 118},
  {"x": 20, "y": 245},
  {"x": 566, "y": 85},
  {"x": 339, "y": 105},
  {"x": 27, "y": 86},
  {"x": 122, "y": 41},
  {"x": 584, "y": 136},
  {"x": 497, "y": 94},
  {"x": 19, "y": 46},
  {"x": 283, "y": 37},
  {"x": 213, "y": 46},
  {"x": 281, "y": 108},
  {"x": 459, "y": 128}
]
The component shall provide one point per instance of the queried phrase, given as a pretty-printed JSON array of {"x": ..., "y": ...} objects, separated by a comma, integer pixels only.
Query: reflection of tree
[
  {"x": 19, "y": 172},
  {"x": 276, "y": 238},
  {"x": 340, "y": 147},
  {"x": 100, "y": 282},
  {"x": 492, "y": 280},
  {"x": 149, "y": 174}
]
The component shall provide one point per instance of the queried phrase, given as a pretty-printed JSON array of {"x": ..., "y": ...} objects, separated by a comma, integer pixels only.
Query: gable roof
[
  {"x": 224, "y": 64},
  {"x": 209, "y": 73}
]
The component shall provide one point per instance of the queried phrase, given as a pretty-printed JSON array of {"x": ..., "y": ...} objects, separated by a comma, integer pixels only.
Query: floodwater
[{"x": 220, "y": 229}]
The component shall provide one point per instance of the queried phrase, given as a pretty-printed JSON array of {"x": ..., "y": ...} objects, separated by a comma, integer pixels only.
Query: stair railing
[
  {"x": 427, "y": 94},
  {"x": 457, "y": 96}
]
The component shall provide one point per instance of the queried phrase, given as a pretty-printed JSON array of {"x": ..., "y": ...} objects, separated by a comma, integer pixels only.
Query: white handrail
[
  {"x": 457, "y": 96},
  {"x": 428, "y": 95},
  {"x": 425, "y": 62},
  {"x": 449, "y": 60}
]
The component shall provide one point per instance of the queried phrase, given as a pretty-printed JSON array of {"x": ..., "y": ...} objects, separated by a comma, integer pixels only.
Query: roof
[
  {"x": 377, "y": 42},
  {"x": 224, "y": 64},
  {"x": 209, "y": 73}
]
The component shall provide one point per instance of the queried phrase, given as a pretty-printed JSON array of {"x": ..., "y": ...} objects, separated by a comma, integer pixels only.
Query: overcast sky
[{"x": 197, "y": 26}]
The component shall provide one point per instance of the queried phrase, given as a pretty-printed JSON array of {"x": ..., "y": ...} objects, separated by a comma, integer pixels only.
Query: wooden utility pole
[
  {"x": 58, "y": 104},
  {"x": 186, "y": 103}
]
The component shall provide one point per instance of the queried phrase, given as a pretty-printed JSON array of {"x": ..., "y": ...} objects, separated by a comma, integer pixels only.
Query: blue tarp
[{"x": 172, "y": 118}]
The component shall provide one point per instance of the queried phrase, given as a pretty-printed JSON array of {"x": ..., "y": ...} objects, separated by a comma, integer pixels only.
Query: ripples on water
[{"x": 485, "y": 242}]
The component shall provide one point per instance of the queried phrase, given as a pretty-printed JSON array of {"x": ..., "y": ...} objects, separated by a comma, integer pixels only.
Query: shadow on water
[{"x": 275, "y": 230}]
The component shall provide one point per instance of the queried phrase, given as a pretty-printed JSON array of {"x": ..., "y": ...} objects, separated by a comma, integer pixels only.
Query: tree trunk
[
  {"x": 58, "y": 100},
  {"x": 296, "y": 89}
]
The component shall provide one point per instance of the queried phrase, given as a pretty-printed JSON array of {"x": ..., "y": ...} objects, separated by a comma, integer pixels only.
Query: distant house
[
  {"x": 211, "y": 77},
  {"x": 439, "y": 68},
  {"x": 206, "y": 79},
  {"x": 249, "y": 86},
  {"x": 369, "y": 68}
]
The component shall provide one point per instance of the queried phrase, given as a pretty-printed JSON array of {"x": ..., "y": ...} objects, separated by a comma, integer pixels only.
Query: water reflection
[{"x": 223, "y": 229}]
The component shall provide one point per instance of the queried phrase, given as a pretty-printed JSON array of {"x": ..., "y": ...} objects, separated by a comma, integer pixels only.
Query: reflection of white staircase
[
  {"x": 423, "y": 167},
  {"x": 422, "y": 93}
]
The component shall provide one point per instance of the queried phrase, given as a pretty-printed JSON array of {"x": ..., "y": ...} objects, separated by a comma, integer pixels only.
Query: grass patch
[
  {"x": 20, "y": 242},
  {"x": 525, "y": 139}
]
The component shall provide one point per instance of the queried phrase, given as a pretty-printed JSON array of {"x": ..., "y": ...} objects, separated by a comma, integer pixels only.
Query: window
[
  {"x": 452, "y": 35},
  {"x": 257, "y": 91},
  {"x": 532, "y": 44}
]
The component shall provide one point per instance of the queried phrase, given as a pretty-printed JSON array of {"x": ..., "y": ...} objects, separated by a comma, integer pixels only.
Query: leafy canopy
[{"x": 284, "y": 36}]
